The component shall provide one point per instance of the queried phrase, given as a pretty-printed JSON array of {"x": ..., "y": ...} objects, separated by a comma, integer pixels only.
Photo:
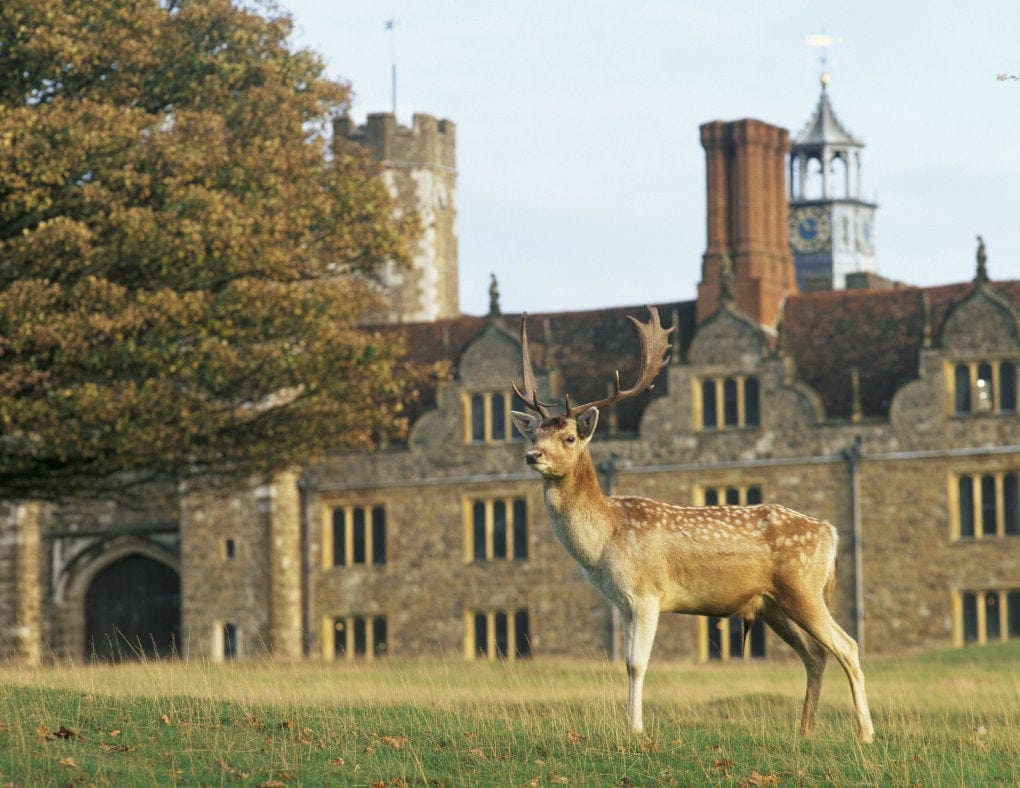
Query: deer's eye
[{"x": 571, "y": 439}]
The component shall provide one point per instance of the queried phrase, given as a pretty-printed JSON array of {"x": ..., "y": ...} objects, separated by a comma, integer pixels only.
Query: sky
[{"x": 581, "y": 178}]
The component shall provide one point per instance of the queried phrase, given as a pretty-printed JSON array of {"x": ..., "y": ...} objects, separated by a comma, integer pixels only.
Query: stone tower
[
  {"x": 421, "y": 173},
  {"x": 831, "y": 225},
  {"x": 747, "y": 209}
]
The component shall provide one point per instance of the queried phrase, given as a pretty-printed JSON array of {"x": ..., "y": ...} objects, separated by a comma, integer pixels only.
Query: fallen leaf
[
  {"x": 115, "y": 732},
  {"x": 573, "y": 737},
  {"x": 396, "y": 742},
  {"x": 68, "y": 762},
  {"x": 89, "y": 699},
  {"x": 336, "y": 761},
  {"x": 115, "y": 747},
  {"x": 723, "y": 765},
  {"x": 370, "y": 749},
  {"x": 66, "y": 733},
  {"x": 761, "y": 779},
  {"x": 477, "y": 752},
  {"x": 226, "y": 767},
  {"x": 555, "y": 778},
  {"x": 650, "y": 746},
  {"x": 272, "y": 784},
  {"x": 166, "y": 719},
  {"x": 535, "y": 782}
]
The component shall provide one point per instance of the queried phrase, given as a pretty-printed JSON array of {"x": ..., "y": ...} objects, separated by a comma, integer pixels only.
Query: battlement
[{"x": 428, "y": 143}]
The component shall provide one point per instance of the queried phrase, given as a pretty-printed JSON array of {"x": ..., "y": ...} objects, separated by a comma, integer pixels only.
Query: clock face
[{"x": 809, "y": 229}]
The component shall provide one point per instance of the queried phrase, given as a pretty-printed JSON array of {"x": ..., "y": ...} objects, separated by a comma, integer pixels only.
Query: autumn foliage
[{"x": 184, "y": 251}]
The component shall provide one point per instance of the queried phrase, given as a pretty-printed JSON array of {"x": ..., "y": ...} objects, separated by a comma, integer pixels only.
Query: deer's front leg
[{"x": 640, "y": 624}]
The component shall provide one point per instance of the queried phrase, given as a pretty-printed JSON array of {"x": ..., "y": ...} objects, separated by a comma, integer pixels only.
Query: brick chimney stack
[{"x": 747, "y": 215}]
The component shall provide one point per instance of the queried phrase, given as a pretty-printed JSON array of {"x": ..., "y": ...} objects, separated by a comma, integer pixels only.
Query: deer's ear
[
  {"x": 525, "y": 423},
  {"x": 586, "y": 423}
]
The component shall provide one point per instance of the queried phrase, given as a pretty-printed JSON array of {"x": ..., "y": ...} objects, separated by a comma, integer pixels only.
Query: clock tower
[{"x": 831, "y": 226}]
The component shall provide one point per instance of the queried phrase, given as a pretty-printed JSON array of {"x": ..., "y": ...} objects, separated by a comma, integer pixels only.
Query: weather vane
[{"x": 822, "y": 42}]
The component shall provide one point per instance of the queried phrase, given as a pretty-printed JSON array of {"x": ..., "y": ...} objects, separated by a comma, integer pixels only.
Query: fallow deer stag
[{"x": 649, "y": 558}]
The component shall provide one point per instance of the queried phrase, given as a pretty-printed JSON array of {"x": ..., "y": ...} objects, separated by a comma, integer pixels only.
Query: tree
[{"x": 183, "y": 252}]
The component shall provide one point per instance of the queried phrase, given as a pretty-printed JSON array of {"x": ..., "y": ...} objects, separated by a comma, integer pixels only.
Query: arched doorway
[{"x": 132, "y": 610}]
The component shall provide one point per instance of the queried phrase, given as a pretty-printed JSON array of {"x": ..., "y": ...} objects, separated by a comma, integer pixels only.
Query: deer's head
[{"x": 558, "y": 441}]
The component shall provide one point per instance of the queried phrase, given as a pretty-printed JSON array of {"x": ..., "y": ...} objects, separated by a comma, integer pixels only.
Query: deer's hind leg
[
  {"x": 812, "y": 615},
  {"x": 811, "y": 653}
]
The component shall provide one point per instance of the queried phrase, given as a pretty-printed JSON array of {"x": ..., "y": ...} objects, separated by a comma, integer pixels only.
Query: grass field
[{"x": 946, "y": 718}]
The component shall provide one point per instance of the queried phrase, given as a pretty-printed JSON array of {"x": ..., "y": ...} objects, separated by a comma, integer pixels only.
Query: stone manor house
[{"x": 799, "y": 375}]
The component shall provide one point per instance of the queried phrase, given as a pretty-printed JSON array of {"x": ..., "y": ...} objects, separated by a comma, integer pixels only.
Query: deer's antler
[
  {"x": 530, "y": 394},
  {"x": 655, "y": 349}
]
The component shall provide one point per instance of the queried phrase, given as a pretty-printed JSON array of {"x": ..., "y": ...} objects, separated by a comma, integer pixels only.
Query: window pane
[
  {"x": 730, "y": 402},
  {"x": 962, "y": 388},
  {"x": 715, "y": 626},
  {"x": 498, "y": 417},
  {"x": 520, "y": 529},
  {"x": 360, "y": 637},
  {"x": 358, "y": 537},
  {"x": 754, "y": 495},
  {"x": 970, "y": 633},
  {"x": 708, "y": 418},
  {"x": 711, "y": 497},
  {"x": 340, "y": 637},
  {"x": 378, "y": 535},
  {"x": 736, "y": 626},
  {"x": 993, "y": 630},
  {"x": 481, "y": 635},
  {"x": 1013, "y": 614},
  {"x": 516, "y": 403},
  {"x": 339, "y": 537},
  {"x": 1007, "y": 387},
  {"x": 988, "y": 505},
  {"x": 752, "y": 409},
  {"x": 477, "y": 418},
  {"x": 732, "y": 496},
  {"x": 502, "y": 636},
  {"x": 499, "y": 529},
  {"x": 1011, "y": 504},
  {"x": 478, "y": 529},
  {"x": 966, "y": 496},
  {"x": 985, "y": 401},
  {"x": 379, "y": 643},
  {"x": 229, "y": 641},
  {"x": 522, "y": 634},
  {"x": 758, "y": 639}
]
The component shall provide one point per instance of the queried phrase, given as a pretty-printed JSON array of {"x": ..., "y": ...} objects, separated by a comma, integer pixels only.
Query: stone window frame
[
  {"x": 482, "y": 425},
  {"x": 516, "y": 527},
  {"x": 728, "y": 641},
  {"x": 744, "y": 494},
  {"x": 964, "y": 403},
  {"x": 371, "y": 528},
  {"x": 488, "y": 623},
  {"x": 1004, "y": 510},
  {"x": 375, "y": 636},
  {"x": 743, "y": 417},
  {"x": 972, "y": 623},
  {"x": 226, "y": 641}
]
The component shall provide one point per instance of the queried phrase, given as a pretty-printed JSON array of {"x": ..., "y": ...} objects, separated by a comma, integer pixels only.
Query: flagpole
[{"x": 391, "y": 26}]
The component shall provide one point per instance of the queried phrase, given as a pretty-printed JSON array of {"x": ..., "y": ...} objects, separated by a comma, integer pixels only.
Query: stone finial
[
  {"x": 726, "y": 280},
  {"x": 926, "y": 311},
  {"x": 982, "y": 271},
  {"x": 493, "y": 297}
]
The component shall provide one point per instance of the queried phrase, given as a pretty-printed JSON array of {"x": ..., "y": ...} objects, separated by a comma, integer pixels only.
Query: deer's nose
[{"x": 533, "y": 456}]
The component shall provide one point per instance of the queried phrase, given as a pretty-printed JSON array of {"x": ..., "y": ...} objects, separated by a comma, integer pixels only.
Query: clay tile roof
[
  {"x": 881, "y": 332},
  {"x": 586, "y": 348}
]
